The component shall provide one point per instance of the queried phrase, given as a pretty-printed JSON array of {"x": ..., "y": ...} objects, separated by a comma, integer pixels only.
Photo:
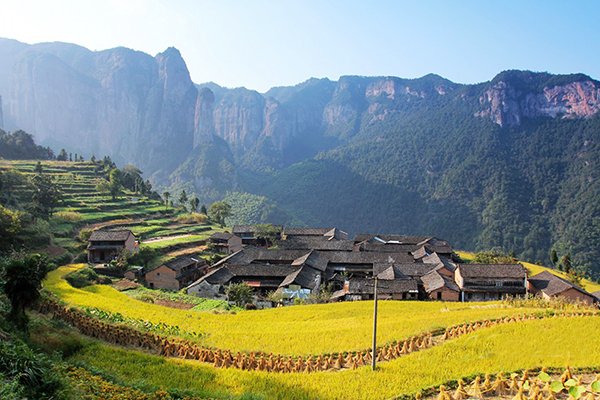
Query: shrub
[
  {"x": 192, "y": 218},
  {"x": 64, "y": 258},
  {"x": 80, "y": 258},
  {"x": 83, "y": 277},
  {"x": 29, "y": 374},
  {"x": 69, "y": 216},
  {"x": 84, "y": 234},
  {"x": 239, "y": 293}
]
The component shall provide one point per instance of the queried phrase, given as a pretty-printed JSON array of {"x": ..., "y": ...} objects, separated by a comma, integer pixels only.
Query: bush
[
  {"x": 81, "y": 258},
  {"x": 83, "y": 277},
  {"x": 239, "y": 293},
  {"x": 69, "y": 216},
  {"x": 84, "y": 234},
  {"x": 63, "y": 259},
  {"x": 27, "y": 374},
  {"x": 192, "y": 218}
]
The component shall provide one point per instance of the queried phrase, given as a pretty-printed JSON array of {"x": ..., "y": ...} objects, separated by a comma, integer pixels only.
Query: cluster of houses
[{"x": 299, "y": 262}]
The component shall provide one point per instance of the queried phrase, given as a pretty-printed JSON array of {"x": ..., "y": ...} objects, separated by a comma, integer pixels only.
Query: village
[{"x": 289, "y": 265}]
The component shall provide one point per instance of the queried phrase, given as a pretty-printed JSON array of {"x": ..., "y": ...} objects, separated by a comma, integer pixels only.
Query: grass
[
  {"x": 200, "y": 304},
  {"x": 548, "y": 343},
  {"x": 297, "y": 330},
  {"x": 534, "y": 269},
  {"x": 163, "y": 244}
]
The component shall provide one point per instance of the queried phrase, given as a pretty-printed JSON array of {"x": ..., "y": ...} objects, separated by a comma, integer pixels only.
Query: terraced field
[
  {"x": 331, "y": 327},
  {"x": 83, "y": 206}
]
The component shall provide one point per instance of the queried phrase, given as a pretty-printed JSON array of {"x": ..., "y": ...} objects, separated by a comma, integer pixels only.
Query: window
[
  {"x": 439, "y": 295},
  {"x": 158, "y": 274}
]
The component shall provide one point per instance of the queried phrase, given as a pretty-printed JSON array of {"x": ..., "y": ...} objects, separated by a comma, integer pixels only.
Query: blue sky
[{"x": 261, "y": 43}]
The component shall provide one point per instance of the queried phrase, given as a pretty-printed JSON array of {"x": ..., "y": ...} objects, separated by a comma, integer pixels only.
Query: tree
[
  {"x": 93, "y": 159},
  {"x": 45, "y": 197},
  {"x": 267, "y": 232},
  {"x": 166, "y": 196},
  {"x": 22, "y": 276},
  {"x": 203, "y": 210},
  {"x": 183, "y": 199},
  {"x": 62, "y": 155},
  {"x": 565, "y": 261},
  {"x": 218, "y": 211},
  {"x": 11, "y": 224},
  {"x": 239, "y": 293},
  {"x": 194, "y": 202},
  {"x": 553, "y": 257},
  {"x": 112, "y": 185},
  {"x": 38, "y": 168}
]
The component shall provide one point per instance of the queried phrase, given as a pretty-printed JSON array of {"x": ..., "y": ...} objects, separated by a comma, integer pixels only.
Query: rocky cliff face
[
  {"x": 129, "y": 105},
  {"x": 506, "y": 104},
  {"x": 146, "y": 110}
]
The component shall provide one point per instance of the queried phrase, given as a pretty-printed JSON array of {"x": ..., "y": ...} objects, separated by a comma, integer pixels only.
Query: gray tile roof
[
  {"x": 439, "y": 260},
  {"x": 306, "y": 277},
  {"x": 508, "y": 271},
  {"x": 221, "y": 235},
  {"x": 360, "y": 286},
  {"x": 552, "y": 285},
  {"x": 315, "y": 243},
  {"x": 182, "y": 262},
  {"x": 307, "y": 231},
  {"x": 412, "y": 270},
  {"x": 434, "y": 281},
  {"x": 364, "y": 257},
  {"x": 110, "y": 236},
  {"x": 387, "y": 248},
  {"x": 400, "y": 239}
]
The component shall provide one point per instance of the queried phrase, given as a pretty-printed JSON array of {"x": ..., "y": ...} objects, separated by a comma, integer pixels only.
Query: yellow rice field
[
  {"x": 296, "y": 330},
  {"x": 550, "y": 342}
]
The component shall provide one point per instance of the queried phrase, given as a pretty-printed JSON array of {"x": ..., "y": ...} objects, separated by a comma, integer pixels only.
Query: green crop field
[{"x": 330, "y": 327}]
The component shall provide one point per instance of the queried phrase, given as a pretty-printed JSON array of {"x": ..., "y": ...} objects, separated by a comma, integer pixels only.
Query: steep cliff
[
  {"x": 515, "y": 95},
  {"x": 119, "y": 102}
]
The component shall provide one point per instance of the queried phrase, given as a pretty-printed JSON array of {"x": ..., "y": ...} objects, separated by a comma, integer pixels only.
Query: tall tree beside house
[
  {"x": 267, "y": 232},
  {"x": 194, "y": 202},
  {"x": 218, "y": 211}
]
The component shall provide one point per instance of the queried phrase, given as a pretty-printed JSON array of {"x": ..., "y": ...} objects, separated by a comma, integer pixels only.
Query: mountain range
[{"x": 508, "y": 163}]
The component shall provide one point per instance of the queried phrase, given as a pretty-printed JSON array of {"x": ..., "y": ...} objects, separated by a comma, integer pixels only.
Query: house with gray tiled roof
[
  {"x": 547, "y": 285},
  {"x": 105, "y": 246}
]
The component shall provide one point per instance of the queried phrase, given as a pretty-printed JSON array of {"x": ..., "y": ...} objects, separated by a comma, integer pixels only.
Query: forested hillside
[{"x": 511, "y": 162}]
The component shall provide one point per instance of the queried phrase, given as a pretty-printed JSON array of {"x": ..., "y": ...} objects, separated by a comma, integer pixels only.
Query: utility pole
[{"x": 374, "y": 352}]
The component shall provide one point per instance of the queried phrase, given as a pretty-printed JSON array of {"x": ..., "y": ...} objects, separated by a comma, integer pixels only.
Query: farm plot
[
  {"x": 331, "y": 327},
  {"x": 510, "y": 347}
]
